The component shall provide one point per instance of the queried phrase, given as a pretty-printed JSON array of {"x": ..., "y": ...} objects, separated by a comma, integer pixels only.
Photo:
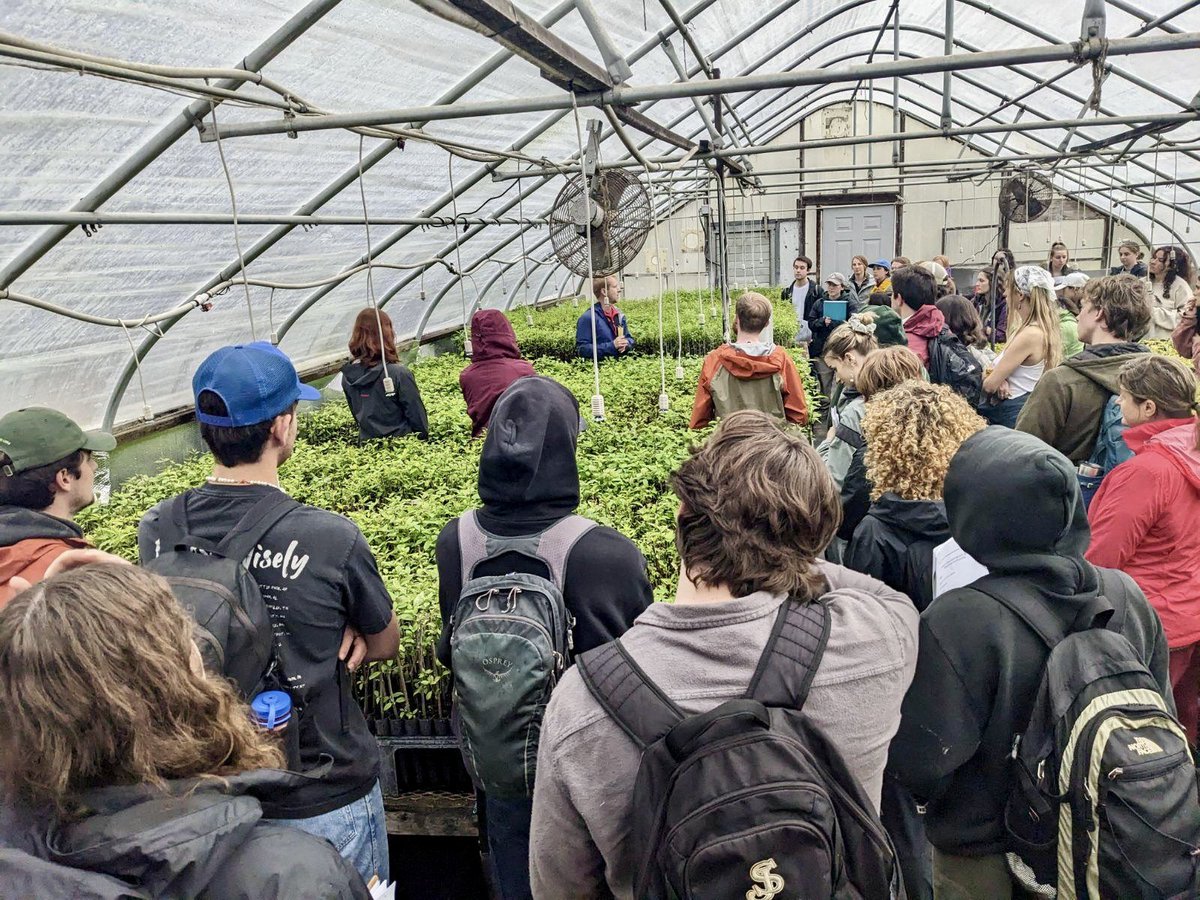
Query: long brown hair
[
  {"x": 364, "y": 339},
  {"x": 96, "y": 690}
]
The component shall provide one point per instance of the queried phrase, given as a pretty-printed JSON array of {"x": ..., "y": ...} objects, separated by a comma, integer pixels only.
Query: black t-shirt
[{"x": 317, "y": 575}]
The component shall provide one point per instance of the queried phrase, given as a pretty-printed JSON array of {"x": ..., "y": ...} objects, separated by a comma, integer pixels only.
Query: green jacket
[
  {"x": 1069, "y": 328},
  {"x": 1065, "y": 407}
]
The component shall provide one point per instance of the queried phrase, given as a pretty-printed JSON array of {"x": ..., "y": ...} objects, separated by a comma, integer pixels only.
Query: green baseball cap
[{"x": 37, "y": 436}]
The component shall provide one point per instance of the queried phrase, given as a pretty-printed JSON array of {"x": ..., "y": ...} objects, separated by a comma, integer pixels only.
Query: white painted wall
[{"x": 959, "y": 219}]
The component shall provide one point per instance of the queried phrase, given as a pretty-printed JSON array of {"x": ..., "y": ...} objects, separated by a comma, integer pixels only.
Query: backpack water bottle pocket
[{"x": 503, "y": 666}]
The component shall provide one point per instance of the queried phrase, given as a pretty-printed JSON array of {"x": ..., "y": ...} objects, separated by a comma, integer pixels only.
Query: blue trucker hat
[
  {"x": 256, "y": 381},
  {"x": 882, "y": 264}
]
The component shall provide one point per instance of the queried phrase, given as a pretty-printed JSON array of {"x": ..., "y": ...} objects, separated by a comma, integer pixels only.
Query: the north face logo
[{"x": 1143, "y": 746}]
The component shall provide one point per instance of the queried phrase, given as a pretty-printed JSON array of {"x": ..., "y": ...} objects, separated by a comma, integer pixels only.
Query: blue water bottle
[{"x": 272, "y": 710}]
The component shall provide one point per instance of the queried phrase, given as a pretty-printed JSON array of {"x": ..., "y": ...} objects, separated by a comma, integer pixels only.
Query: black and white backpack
[
  {"x": 748, "y": 799},
  {"x": 1104, "y": 803}
]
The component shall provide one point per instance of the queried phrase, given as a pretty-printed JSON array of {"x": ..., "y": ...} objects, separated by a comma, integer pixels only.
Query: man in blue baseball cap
[
  {"x": 330, "y": 608},
  {"x": 881, "y": 294}
]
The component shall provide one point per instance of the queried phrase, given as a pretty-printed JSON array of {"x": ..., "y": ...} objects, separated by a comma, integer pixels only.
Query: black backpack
[
  {"x": 748, "y": 799},
  {"x": 1104, "y": 803},
  {"x": 233, "y": 625},
  {"x": 952, "y": 364}
]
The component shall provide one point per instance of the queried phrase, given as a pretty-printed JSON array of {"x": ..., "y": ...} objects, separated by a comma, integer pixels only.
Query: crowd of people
[{"x": 623, "y": 747}]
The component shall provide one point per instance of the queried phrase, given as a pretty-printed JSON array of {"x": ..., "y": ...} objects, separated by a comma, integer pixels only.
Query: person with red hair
[{"x": 382, "y": 394}]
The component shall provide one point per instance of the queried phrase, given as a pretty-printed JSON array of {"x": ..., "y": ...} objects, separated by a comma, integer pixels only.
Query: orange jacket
[
  {"x": 30, "y": 559},
  {"x": 743, "y": 365}
]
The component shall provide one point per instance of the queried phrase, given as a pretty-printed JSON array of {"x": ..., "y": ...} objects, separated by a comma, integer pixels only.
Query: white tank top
[{"x": 1023, "y": 378}]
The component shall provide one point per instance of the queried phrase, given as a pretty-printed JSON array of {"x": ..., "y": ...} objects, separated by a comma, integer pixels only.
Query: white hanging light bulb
[
  {"x": 679, "y": 373},
  {"x": 664, "y": 403},
  {"x": 598, "y": 407}
]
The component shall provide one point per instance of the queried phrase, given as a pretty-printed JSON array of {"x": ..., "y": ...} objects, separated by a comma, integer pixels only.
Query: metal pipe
[
  {"x": 627, "y": 95},
  {"x": 896, "y": 84},
  {"x": 512, "y": 295},
  {"x": 947, "y": 120},
  {"x": 614, "y": 60},
  {"x": 348, "y": 177},
  {"x": 696, "y": 102},
  {"x": 166, "y": 136},
  {"x": 196, "y": 218}
]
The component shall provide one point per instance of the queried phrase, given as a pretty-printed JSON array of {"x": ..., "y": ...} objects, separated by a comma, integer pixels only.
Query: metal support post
[
  {"x": 896, "y": 84},
  {"x": 947, "y": 119},
  {"x": 614, "y": 61}
]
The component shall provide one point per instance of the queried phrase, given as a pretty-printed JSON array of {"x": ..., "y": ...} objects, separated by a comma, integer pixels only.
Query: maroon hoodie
[
  {"x": 922, "y": 327},
  {"x": 495, "y": 364}
]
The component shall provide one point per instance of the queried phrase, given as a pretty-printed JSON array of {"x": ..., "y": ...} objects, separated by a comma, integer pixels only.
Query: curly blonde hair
[
  {"x": 913, "y": 431},
  {"x": 96, "y": 689}
]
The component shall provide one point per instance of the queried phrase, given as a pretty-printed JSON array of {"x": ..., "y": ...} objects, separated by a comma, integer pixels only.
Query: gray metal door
[
  {"x": 850, "y": 230},
  {"x": 750, "y": 254}
]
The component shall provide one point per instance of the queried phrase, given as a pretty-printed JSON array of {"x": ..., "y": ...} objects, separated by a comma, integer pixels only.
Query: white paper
[
  {"x": 953, "y": 568},
  {"x": 383, "y": 891}
]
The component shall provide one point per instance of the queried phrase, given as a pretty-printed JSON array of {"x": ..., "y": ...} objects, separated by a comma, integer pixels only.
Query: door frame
[{"x": 829, "y": 201}]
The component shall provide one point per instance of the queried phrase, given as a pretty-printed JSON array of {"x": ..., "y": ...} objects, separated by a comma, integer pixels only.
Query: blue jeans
[
  {"x": 358, "y": 831},
  {"x": 508, "y": 842},
  {"x": 1005, "y": 412}
]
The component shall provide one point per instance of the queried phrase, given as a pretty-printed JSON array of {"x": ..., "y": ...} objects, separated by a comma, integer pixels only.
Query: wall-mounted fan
[
  {"x": 620, "y": 214},
  {"x": 1025, "y": 199}
]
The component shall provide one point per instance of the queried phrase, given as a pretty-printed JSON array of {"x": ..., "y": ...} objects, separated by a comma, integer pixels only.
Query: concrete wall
[{"x": 960, "y": 219}]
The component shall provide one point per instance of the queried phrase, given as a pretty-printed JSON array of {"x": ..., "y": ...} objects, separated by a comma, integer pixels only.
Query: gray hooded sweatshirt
[{"x": 701, "y": 655}]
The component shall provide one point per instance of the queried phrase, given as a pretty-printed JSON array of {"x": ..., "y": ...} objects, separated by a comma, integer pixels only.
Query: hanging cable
[
  {"x": 147, "y": 412},
  {"x": 462, "y": 291},
  {"x": 389, "y": 386},
  {"x": 237, "y": 240},
  {"x": 664, "y": 402},
  {"x": 524, "y": 252},
  {"x": 597, "y": 398}
]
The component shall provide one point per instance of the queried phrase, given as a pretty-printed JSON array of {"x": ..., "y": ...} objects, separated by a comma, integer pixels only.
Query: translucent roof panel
[{"x": 66, "y": 132}]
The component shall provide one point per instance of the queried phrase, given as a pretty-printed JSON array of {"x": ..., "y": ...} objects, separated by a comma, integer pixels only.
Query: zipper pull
[{"x": 1116, "y": 773}]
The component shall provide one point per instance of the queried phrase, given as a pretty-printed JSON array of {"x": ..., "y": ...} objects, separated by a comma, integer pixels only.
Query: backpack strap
[
  {"x": 1037, "y": 615},
  {"x": 789, "y": 662},
  {"x": 174, "y": 530},
  {"x": 627, "y": 694},
  {"x": 552, "y": 546},
  {"x": 257, "y": 521}
]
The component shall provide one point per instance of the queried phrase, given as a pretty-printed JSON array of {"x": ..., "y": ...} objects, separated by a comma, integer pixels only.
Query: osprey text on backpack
[
  {"x": 951, "y": 364},
  {"x": 233, "y": 624},
  {"x": 748, "y": 799},
  {"x": 510, "y": 641},
  {"x": 1104, "y": 803}
]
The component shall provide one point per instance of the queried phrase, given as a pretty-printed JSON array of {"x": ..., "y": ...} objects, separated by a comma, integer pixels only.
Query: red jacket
[
  {"x": 922, "y": 327},
  {"x": 1144, "y": 521},
  {"x": 495, "y": 364}
]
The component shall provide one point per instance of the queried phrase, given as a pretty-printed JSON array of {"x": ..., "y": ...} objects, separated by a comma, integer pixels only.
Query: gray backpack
[{"x": 510, "y": 642}]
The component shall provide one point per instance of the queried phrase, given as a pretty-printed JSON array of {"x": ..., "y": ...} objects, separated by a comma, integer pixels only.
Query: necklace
[{"x": 214, "y": 479}]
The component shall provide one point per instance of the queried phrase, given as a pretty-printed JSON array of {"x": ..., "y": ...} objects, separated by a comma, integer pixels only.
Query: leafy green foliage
[
  {"x": 401, "y": 492},
  {"x": 691, "y": 319}
]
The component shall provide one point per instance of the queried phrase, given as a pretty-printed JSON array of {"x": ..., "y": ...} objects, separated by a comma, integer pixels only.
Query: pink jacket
[{"x": 922, "y": 327}]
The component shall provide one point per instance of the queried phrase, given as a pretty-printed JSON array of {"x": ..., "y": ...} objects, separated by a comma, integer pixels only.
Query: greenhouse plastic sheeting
[{"x": 62, "y": 133}]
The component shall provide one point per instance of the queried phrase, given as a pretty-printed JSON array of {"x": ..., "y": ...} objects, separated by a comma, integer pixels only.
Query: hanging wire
[
  {"x": 664, "y": 402},
  {"x": 462, "y": 291},
  {"x": 597, "y": 398},
  {"x": 237, "y": 240},
  {"x": 524, "y": 253},
  {"x": 147, "y": 412},
  {"x": 389, "y": 385}
]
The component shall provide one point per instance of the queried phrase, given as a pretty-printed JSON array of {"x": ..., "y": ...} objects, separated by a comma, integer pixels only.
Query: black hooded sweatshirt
[
  {"x": 203, "y": 839},
  {"x": 528, "y": 480},
  {"x": 378, "y": 413},
  {"x": 895, "y": 542},
  {"x": 1013, "y": 504}
]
